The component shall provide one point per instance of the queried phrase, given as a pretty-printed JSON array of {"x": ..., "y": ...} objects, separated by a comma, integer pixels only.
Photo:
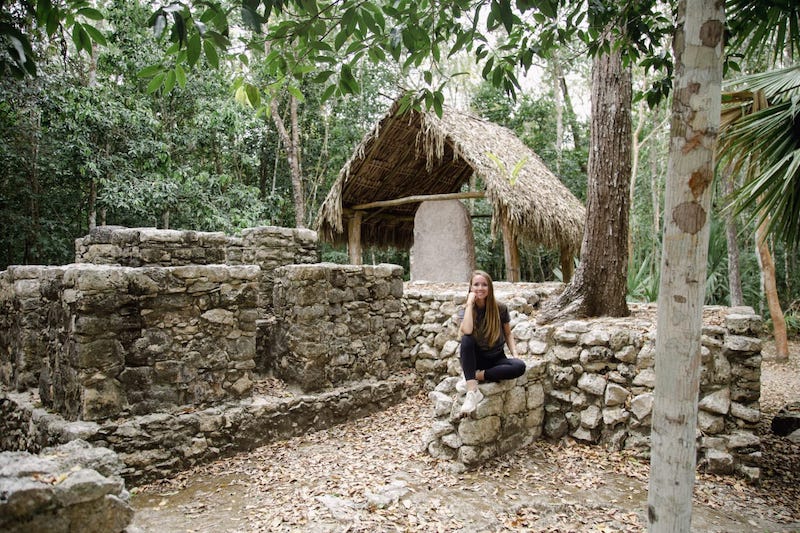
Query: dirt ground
[{"x": 373, "y": 475}]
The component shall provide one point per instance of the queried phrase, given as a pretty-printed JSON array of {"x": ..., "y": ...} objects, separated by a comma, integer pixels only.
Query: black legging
[{"x": 495, "y": 366}]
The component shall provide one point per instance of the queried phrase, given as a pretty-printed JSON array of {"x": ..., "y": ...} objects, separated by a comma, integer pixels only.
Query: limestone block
[
  {"x": 490, "y": 405},
  {"x": 565, "y": 354},
  {"x": 717, "y": 402},
  {"x": 535, "y": 396},
  {"x": 709, "y": 423},
  {"x": 591, "y": 417},
  {"x": 555, "y": 426},
  {"x": 452, "y": 440},
  {"x": 642, "y": 405},
  {"x": 645, "y": 378},
  {"x": 616, "y": 395},
  {"x": 593, "y": 384},
  {"x": 524, "y": 331},
  {"x": 516, "y": 401},
  {"x": 747, "y": 323},
  {"x": 626, "y": 354},
  {"x": 718, "y": 462},
  {"x": 563, "y": 377},
  {"x": 615, "y": 416},
  {"x": 480, "y": 431},
  {"x": 743, "y": 442},
  {"x": 585, "y": 434},
  {"x": 537, "y": 347},
  {"x": 576, "y": 326},
  {"x": 738, "y": 343},
  {"x": 442, "y": 403},
  {"x": 595, "y": 337},
  {"x": 747, "y": 414},
  {"x": 646, "y": 358}
]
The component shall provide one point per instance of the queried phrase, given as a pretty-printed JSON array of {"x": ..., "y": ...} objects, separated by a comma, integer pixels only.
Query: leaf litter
[{"x": 372, "y": 474}]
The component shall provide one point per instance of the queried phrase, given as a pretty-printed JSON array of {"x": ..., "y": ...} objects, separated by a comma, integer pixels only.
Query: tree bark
[
  {"x": 734, "y": 273},
  {"x": 573, "y": 121},
  {"x": 291, "y": 144},
  {"x": 599, "y": 285},
  {"x": 771, "y": 292},
  {"x": 698, "y": 46},
  {"x": 557, "y": 77}
]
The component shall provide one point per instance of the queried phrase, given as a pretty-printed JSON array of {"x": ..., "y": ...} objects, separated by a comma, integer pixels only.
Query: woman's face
[{"x": 480, "y": 286}]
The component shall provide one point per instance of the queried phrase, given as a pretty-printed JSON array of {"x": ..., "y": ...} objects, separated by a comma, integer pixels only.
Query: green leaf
[
  {"x": 294, "y": 91},
  {"x": 155, "y": 83},
  {"x": 90, "y": 13},
  {"x": 180, "y": 76},
  {"x": 95, "y": 34},
  {"x": 347, "y": 82},
  {"x": 253, "y": 95},
  {"x": 194, "y": 48},
  {"x": 240, "y": 95},
  {"x": 53, "y": 21},
  {"x": 322, "y": 77},
  {"x": 327, "y": 93},
  {"x": 211, "y": 53},
  {"x": 149, "y": 71},
  {"x": 80, "y": 38},
  {"x": 169, "y": 82},
  {"x": 251, "y": 18}
]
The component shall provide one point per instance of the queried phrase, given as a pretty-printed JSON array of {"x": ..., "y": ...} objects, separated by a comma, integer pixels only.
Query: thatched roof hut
[{"x": 418, "y": 156}]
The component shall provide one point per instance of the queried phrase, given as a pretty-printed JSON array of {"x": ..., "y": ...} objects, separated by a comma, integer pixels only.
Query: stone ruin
[{"x": 164, "y": 346}]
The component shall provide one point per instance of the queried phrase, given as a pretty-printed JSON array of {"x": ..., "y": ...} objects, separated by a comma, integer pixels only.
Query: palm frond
[
  {"x": 761, "y": 137},
  {"x": 764, "y": 27}
]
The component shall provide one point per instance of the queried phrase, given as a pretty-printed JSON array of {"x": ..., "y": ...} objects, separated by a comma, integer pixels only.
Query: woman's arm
[
  {"x": 512, "y": 345},
  {"x": 468, "y": 322}
]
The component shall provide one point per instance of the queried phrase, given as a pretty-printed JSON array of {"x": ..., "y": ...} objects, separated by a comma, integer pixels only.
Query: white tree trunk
[{"x": 698, "y": 44}]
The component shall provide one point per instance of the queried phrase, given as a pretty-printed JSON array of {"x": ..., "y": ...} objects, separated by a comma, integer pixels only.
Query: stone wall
[
  {"x": 510, "y": 416},
  {"x": 74, "y": 487},
  {"x": 336, "y": 323},
  {"x": 112, "y": 340},
  {"x": 266, "y": 246},
  {"x": 163, "y": 443},
  {"x": 600, "y": 375},
  {"x": 432, "y": 332},
  {"x": 269, "y": 247},
  {"x": 29, "y": 304}
]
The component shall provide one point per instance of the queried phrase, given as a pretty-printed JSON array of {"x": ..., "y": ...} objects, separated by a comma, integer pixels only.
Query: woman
[{"x": 485, "y": 328}]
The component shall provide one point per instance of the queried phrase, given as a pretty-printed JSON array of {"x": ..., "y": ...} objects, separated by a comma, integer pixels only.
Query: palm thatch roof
[{"x": 418, "y": 153}]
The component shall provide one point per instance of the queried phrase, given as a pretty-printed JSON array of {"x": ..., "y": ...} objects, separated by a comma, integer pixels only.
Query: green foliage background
[{"x": 195, "y": 158}]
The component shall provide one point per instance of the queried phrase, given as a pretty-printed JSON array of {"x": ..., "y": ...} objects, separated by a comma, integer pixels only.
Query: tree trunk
[
  {"x": 599, "y": 285},
  {"x": 697, "y": 44},
  {"x": 655, "y": 192},
  {"x": 771, "y": 292},
  {"x": 573, "y": 121},
  {"x": 557, "y": 76},
  {"x": 734, "y": 274},
  {"x": 92, "y": 207},
  {"x": 291, "y": 145}
]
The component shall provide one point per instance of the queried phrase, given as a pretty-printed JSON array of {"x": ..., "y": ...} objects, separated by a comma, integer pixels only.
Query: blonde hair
[{"x": 489, "y": 330}]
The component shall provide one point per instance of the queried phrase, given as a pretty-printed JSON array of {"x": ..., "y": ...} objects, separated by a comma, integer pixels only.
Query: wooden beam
[
  {"x": 511, "y": 252},
  {"x": 420, "y": 198},
  {"x": 567, "y": 266},
  {"x": 354, "y": 239}
]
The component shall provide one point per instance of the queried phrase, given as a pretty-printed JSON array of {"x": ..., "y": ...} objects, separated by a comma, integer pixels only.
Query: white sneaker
[{"x": 471, "y": 402}]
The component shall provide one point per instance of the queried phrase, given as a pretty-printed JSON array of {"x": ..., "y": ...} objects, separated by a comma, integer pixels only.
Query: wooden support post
[
  {"x": 511, "y": 252},
  {"x": 354, "y": 238},
  {"x": 567, "y": 265}
]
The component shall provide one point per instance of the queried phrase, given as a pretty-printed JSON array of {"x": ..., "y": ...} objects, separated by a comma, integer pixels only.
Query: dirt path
[{"x": 372, "y": 475}]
